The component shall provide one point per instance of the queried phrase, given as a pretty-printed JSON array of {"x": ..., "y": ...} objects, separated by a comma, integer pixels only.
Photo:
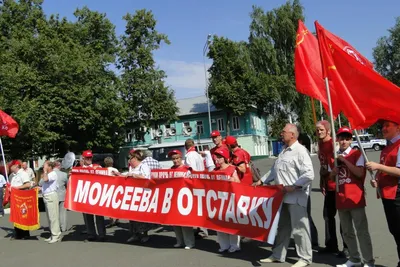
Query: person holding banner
[
  {"x": 240, "y": 159},
  {"x": 87, "y": 156},
  {"x": 227, "y": 242},
  {"x": 139, "y": 230},
  {"x": 294, "y": 170},
  {"x": 328, "y": 189},
  {"x": 20, "y": 181},
  {"x": 184, "y": 235},
  {"x": 218, "y": 142},
  {"x": 350, "y": 200},
  {"x": 387, "y": 178}
]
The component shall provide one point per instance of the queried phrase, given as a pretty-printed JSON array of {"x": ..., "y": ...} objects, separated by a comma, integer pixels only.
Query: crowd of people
[{"x": 293, "y": 169}]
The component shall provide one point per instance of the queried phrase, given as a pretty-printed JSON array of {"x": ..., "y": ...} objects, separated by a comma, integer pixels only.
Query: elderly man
[
  {"x": 294, "y": 170},
  {"x": 62, "y": 181},
  {"x": 20, "y": 181},
  {"x": 29, "y": 171}
]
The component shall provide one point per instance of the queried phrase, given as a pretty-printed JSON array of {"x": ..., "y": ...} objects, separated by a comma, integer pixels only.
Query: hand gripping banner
[{"x": 223, "y": 206}]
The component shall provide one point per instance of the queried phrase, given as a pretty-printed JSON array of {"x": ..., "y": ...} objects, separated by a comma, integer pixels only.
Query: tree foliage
[
  {"x": 387, "y": 54},
  {"x": 260, "y": 73},
  {"x": 57, "y": 79},
  {"x": 150, "y": 102}
]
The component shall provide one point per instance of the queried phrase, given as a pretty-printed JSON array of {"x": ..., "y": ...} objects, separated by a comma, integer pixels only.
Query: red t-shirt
[
  {"x": 242, "y": 156},
  {"x": 326, "y": 159},
  {"x": 229, "y": 171},
  {"x": 212, "y": 151}
]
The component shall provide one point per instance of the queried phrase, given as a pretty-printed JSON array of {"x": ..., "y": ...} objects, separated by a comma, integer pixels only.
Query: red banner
[
  {"x": 24, "y": 209},
  {"x": 213, "y": 204}
]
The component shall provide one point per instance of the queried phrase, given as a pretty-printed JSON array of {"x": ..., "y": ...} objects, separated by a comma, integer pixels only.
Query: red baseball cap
[
  {"x": 223, "y": 152},
  {"x": 15, "y": 162},
  {"x": 344, "y": 130},
  {"x": 215, "y": 133},
  {"x": 230, "y": 140},
  {"x": 131, "y": 151},
  {"x": 174, "y": 152},
  {"x": 87, "y": 154}
]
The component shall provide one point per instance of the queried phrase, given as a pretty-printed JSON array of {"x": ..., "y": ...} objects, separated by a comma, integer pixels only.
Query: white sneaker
[
  {"x": 233, "y": 250},
  {"x": 54, "y": 241},
  {"x": 349, "y": 263},
  {"x": 300, "y": 263},
  {"x": 369, "y": 265},
  {"x": 269, "y": 260},
  {"x": 178, "y": 245},
  {"x": 188, "y": 247},
  {"x": 221, "y": 250},
  {"x": 48, "y": 239}
]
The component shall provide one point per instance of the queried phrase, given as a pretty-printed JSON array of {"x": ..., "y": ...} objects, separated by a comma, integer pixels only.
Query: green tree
[
  {"x": 387, "y": 54},
  {"x": 57, "y": 80},
  {"x": 149, "y": 100},
  {"x": 271, "y": 43},
  {"x": 230, "y": 86}
]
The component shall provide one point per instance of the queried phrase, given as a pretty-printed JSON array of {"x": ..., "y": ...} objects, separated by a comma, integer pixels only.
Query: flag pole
[
  {"x": 340, "y": 121},
  {"x": 4, "y": 160},
  {"x": 328, "y": 93},
  {"x": 321, "y": 111}
]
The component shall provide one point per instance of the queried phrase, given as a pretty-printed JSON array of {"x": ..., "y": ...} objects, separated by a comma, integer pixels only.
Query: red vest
[
  {"x": 242, "y": 156},
  {"x": 229, "y": 171},
  {"x": 325, "y": 156},
  {"x": 351, "y": 193},
  {"x": 388, "y": 184}
]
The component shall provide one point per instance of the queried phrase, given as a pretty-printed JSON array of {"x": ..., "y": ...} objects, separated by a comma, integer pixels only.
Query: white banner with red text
[{"x": 211, "y": 203}]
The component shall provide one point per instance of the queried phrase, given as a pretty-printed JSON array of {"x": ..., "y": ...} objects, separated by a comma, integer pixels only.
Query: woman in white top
[
  {"x": 111, "y": 171},
  {"x": 139, "y": 170}
]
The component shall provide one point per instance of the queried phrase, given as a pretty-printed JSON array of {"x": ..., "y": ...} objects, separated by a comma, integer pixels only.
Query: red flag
[
  {"x": 24, "y": 209},
  {"x": 308, "y": 68},
  {"x": 8, "y": 126},
  {"x": 364, "y": 96}
]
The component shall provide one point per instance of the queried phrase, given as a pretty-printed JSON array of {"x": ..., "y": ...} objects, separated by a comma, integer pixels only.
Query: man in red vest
[
  {"x": 328, "y": 188},
  {"x": 217, "y": 140},
  {"x": 87, "y": 156},
  {"x": 387, "y": 178},
  {"x": 350, "y": 201},
  {"x": 241, "y": 159}
]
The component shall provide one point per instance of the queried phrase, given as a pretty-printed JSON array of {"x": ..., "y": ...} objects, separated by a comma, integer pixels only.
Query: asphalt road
[{"x": 159, "y": 251}]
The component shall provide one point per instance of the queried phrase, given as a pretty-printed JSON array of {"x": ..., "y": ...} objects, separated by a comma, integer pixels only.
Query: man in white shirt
[
  {"x": 20, "y": 181},
  {"x": 192, "y": 158},
  {"x": 2, "y": 185},
  {"x": 50, "y": 199},
  {"x": 29, "y": 171},
  {"x": 62, "y": 181},
  {"x": 294, "y": 170}
]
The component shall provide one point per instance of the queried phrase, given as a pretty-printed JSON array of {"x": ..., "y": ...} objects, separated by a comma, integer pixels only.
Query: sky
[{"x": 188, "y": 22}]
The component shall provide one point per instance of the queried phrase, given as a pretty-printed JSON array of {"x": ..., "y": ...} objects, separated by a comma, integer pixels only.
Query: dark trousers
[
  {"x": 1, "y": 201},
  {"x": 392, "y": 212},
  {"x": 313, "y": 229},
  {"x": 329, "y": 212},
  {"x": 90, "y": 227},
  {"x": 20, "y": 234}
]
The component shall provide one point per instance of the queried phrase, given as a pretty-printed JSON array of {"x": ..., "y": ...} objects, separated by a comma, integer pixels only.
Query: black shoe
[
  {"x": 328, "y": 250},
  {"x": 343, "y": 254},
  {"x": 101, "y": 239},
  {"x": 90, "y": 239}
]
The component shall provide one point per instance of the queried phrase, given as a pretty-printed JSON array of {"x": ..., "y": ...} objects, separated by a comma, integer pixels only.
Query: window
[
  {"x": 221, "y": 126},
  {"x": 235, "y": 123},
  {"x": 200, "y": 129},
  {"x": 186, "y": 124}
]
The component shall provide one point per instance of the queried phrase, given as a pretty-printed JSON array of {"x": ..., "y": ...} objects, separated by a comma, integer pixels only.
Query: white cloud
[{"x": 186, "y": 78}]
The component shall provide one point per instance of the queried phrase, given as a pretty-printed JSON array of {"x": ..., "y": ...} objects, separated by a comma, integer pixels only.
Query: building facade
[{"x": 249, "y": 129}]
